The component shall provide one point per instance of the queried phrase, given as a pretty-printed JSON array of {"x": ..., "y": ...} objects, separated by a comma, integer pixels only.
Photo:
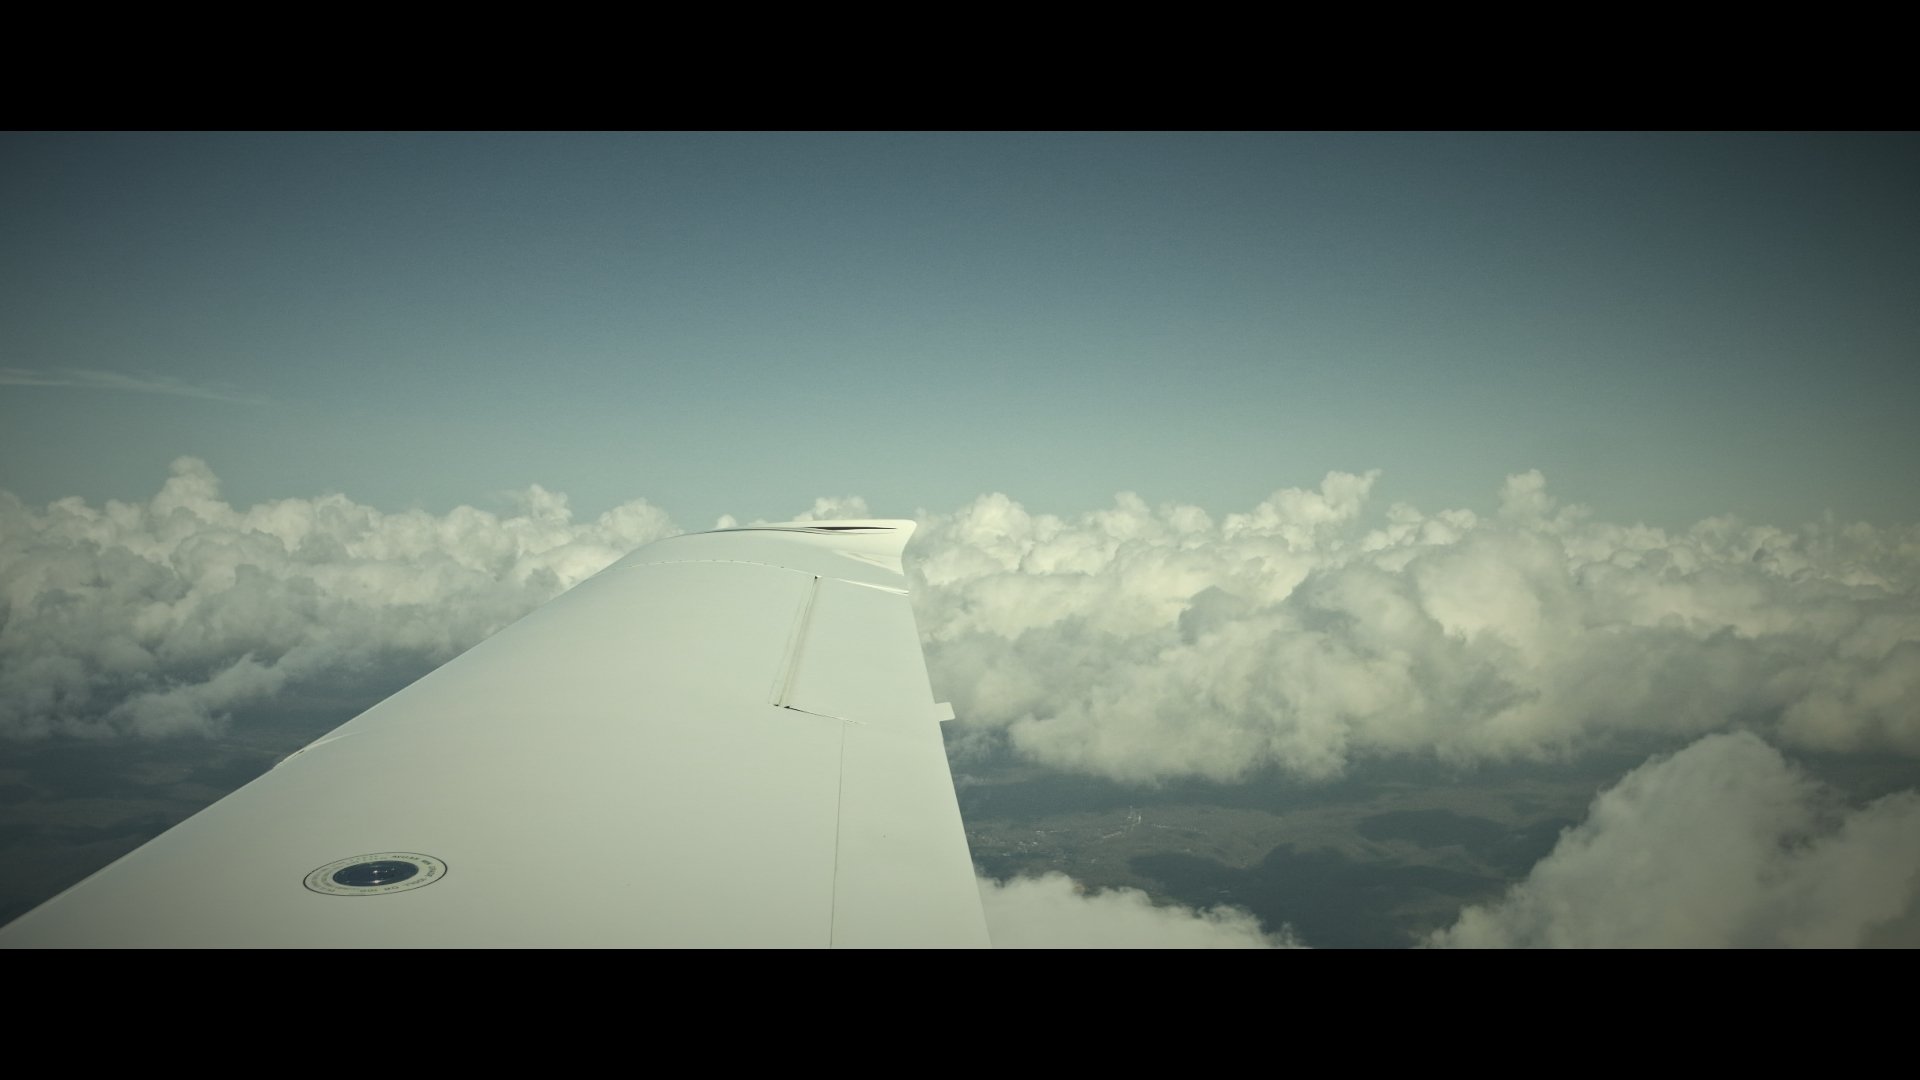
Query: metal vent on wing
[{"x": 378, "y": 874}]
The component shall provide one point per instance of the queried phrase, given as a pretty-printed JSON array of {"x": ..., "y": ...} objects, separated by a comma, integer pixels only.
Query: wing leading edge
[{"x": 724, "y": 739}]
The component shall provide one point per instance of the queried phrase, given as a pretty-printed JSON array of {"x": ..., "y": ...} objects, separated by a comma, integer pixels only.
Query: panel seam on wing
[
  {"x": 824, "y": 715},
  {"x": 741, "y": 562},
  {"x": 777, "y": 566},
  {"x": 839, "y": 808}
]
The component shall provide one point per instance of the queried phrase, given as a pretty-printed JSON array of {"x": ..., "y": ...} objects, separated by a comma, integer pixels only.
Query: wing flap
[
  {"x": 859, "y": 657},
  {"x": 897, "y": 883}
]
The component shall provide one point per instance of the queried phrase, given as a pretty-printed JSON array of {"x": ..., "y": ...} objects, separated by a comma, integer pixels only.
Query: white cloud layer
[
  {"x": 158, "y": 618},
  {"x": 1056, "y": 912},
  {"x": 1144, "y": 643},
  {"x": 1134, "y": 642},
  {"x": 1723, "y": 844}
]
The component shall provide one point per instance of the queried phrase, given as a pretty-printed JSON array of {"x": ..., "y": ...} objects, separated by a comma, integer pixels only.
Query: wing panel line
[
  {"x": 839, "y": 805},
  {"x": 797, "y": 644}
]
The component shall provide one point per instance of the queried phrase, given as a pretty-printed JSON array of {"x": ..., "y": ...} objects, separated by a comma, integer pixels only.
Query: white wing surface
[{"x": 724, "y": 739}]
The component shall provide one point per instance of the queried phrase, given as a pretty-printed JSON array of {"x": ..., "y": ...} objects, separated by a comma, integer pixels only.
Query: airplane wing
[{"x": 723, "y": 739}]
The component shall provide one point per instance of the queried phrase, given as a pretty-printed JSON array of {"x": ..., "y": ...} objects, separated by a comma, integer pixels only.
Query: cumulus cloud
[
  {"x": 159, "y": 617},
  {"x": 1056, "y": 912},
  {"x": 1725, "y": 843},
  {"x": 1144, "y": 643},
  {"x": 1136, "y": 642}
]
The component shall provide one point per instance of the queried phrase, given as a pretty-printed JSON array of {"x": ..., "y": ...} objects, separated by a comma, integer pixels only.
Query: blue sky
[{"x": 1668, "y": 326}]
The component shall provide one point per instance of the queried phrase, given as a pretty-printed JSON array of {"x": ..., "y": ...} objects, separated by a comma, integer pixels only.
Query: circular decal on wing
[{"x": 377, "y": 874}]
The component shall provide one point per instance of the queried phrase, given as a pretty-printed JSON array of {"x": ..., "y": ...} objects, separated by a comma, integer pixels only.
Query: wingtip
[
  {"x": 846, "y": 525},
  {"x": 867, "y": 550}
]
